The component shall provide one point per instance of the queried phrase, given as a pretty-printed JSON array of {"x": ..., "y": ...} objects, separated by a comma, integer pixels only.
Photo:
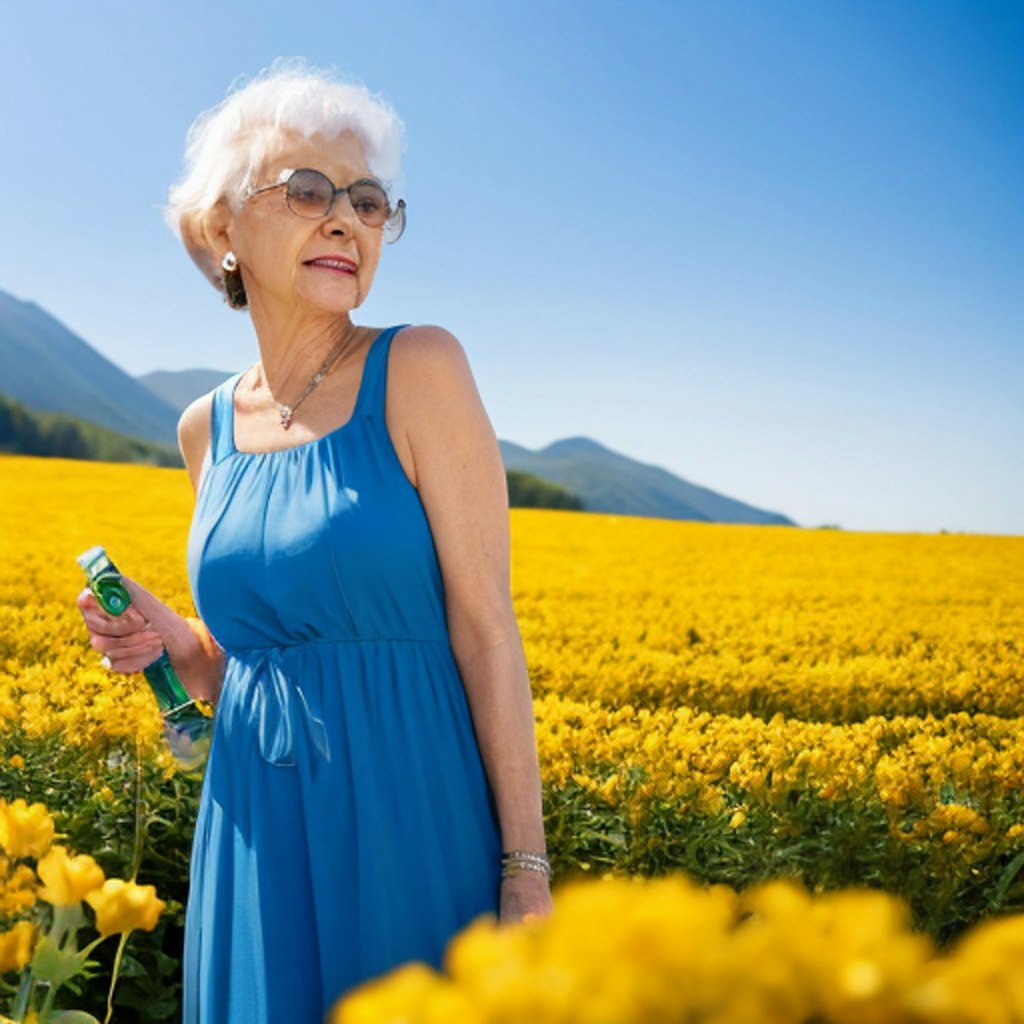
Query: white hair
[{"x": 228, "y": 144}]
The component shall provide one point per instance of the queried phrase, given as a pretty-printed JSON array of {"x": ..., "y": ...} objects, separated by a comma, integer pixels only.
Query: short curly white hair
[{"x": 228, "y": 144}]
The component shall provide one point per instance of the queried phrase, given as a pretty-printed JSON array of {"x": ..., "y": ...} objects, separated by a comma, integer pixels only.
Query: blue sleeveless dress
[{"x": 346, "y": 824}]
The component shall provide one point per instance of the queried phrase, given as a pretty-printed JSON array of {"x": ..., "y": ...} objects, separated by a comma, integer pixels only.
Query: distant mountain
[
  {"x": 49, "y": 368},
  {"x": 609, "y": 482},
  {"x": 178, "y": 388}
]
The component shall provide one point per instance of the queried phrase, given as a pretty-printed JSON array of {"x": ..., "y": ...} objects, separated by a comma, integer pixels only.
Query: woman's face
[{"x": 281, "y": 254}]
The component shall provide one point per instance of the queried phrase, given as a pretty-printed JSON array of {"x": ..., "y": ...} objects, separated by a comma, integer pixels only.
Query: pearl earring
[{"x": 234, "y": 288}]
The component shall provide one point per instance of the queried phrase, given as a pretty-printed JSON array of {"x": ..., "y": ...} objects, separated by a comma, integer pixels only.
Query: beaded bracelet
[{"x": 515, "y": 862}]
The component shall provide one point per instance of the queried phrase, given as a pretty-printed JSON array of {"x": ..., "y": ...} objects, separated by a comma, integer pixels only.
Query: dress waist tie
[{"x": 282, "y": 710}]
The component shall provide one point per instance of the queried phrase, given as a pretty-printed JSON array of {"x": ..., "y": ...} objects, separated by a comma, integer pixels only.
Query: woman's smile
[{"x": 333, "y": 264}]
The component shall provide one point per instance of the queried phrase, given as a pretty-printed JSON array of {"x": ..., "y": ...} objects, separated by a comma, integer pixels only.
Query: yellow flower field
[
  {"x": 822, "y": 625},
  {"x": 709, "y": 666},
  {"x": 739, "y": 702}
]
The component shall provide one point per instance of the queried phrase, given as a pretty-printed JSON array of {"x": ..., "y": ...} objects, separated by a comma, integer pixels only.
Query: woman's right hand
[{"x": 131, "y": 641}]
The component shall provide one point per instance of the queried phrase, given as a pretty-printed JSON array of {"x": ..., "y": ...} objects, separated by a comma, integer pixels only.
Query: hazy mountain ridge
[
  {"x": 51, "y": 369},
  {"x": 180, "y": 387},
  {"x": 608, "y": 481}
]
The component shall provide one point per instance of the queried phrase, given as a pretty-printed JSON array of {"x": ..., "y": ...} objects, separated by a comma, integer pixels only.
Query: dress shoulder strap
[
  {"x": 373, "y": 386},
  {"x": 222, "y": 418}
]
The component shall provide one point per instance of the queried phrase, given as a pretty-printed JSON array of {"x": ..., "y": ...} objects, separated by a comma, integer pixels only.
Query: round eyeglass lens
[
  {"x": 370, "y": 202},
  {"x": 310, "y": 194}
]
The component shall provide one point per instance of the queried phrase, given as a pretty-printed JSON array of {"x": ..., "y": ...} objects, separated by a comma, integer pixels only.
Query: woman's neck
[{"x": 294, "y": 346}]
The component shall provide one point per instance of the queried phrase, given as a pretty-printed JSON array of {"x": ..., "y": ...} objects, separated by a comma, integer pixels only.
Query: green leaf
[{"x": 1006, "y": 879}]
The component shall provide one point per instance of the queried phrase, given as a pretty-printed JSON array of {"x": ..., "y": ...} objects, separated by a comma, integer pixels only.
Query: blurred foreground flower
[
  {"x": 123, "y": 906},
  {"x": 68, "y": 879},
  {"x": 16, "y": 946},
  {"x": 25, "y": 830},
  {"x": 666, "y": 950}
]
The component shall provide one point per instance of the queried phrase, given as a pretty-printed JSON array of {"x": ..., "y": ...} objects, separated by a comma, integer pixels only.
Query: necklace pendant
[{"x": 286, "y": 412}]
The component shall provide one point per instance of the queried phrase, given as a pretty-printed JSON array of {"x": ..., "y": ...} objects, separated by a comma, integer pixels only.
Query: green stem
[
  {"x": 20, "y": 1007},
  {"x": 136, "y": 864},
  {"x": 114, "y": 975},
  {"x": 85, "y": 953},
  {"x": 47, "y": 1006},
  {"x": 137, "y": 854},
  {"x": 67, "y": 920}
]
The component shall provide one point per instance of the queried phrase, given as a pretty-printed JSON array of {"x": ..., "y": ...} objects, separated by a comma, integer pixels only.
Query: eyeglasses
[{"x": 311, "y": 194}]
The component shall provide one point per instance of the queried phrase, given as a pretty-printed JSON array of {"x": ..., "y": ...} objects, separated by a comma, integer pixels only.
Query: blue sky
[{"x": 776, "y": 248}]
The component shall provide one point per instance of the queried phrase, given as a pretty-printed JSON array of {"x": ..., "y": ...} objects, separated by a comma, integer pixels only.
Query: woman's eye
[{"x": 368, "y": 200}]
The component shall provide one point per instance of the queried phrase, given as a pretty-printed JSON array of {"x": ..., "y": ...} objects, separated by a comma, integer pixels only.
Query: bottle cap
[{"x": 86, "y": 558}]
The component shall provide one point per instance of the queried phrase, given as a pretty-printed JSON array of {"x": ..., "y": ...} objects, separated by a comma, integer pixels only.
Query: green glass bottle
[{"x": 188, "y": 722}]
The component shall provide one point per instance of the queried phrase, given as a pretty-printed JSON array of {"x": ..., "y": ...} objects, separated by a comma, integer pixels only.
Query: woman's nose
[{"x": 341, "y": 216}]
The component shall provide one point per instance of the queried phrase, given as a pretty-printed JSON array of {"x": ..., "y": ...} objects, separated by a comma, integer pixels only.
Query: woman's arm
[
  {"x": 135, "y": 639},
  {"x": 462, "y": 484},
  {"x": 194, "y": 653}
]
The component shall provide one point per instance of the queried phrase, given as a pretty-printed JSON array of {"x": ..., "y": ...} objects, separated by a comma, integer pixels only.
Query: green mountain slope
[
  {"x": 607, "y": 481},
  {"x": 51, "y": 369},
  {"x": 528, "y": 491},
  {"x": 25, "y": 432}
]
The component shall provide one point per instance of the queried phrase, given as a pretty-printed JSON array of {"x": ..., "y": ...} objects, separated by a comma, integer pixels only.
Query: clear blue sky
[{"x": 776, "y": 248}]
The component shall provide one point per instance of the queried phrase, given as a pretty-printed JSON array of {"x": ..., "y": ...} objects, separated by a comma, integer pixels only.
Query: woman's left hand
[{"x": 527, "y": 893}]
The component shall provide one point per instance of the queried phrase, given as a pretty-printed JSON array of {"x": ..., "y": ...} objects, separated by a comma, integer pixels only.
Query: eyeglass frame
[{"x": 289, "y": 172}]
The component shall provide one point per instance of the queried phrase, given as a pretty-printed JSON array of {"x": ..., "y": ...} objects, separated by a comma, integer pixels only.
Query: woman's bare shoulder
[
  {"x": 427, "y": 340},
  {"x": 194, "y": 435},
  {"x": 425, "y": 354},
  {"x": 433, "y": 401}
]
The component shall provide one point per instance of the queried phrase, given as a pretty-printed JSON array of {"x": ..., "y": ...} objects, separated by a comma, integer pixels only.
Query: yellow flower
[
  {"x": 25, "y": 831},
  {"x": 411, "y": 994},
  {"x": 16, "y": 946},
  {"x": 17, "y": 888},
  {"x": 16, "y": 761},
  {"x": 122, "y": 906},
  {"x": 68, "y": 879}
]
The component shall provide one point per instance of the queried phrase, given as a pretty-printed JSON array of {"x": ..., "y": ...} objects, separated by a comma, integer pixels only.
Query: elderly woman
[{"x": 373, "y": 782}]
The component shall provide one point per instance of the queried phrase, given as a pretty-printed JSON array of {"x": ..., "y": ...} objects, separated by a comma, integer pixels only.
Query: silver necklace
[{"x": 287, "y": 412}]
